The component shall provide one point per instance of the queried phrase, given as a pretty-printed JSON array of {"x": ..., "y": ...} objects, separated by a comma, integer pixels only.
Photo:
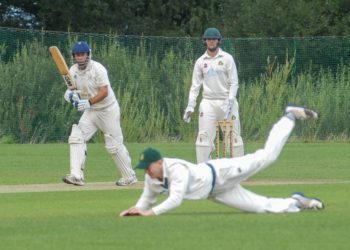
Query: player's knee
[
  {"x": 265, "y": 157},
  {"x": 76, "y": 136},
  {"x": 113, "y": 145},
  {"x": 203, "y": 139},
  {"x": 270, "y": 158}
]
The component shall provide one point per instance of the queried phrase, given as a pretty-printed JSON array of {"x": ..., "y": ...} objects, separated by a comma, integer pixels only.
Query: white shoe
[
  {"x": 126, "y": 181},
  {"x": 301, "y": 113},
  {"x": 71, "y": 179},
  {"x": 307, "y": 202}
]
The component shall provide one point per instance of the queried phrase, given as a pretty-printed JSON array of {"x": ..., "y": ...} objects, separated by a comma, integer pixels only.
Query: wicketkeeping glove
[{"x": 83, "y": 105}]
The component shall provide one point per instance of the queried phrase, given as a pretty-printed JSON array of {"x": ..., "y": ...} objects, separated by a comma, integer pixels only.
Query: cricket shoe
[
  {"x": 304, "y": 202},
  {"x": 301, "y": 113},
  {"x": 126, "y": 181},
  {"x": 71, "y": 179}
]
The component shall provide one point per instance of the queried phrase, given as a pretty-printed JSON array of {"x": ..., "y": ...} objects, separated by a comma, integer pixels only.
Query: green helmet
[{"x": 212, "y": 33}]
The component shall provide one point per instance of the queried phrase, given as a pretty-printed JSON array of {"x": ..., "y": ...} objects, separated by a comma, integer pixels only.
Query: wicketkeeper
[
  {"x": 95, "y": 98},
  {"x": 219, "y": 180},
  {"x": 216, "y": 71}
]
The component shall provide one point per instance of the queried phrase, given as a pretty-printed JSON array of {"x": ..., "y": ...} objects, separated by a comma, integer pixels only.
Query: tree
[
  {"x": 20, "y": 14},
  {"x": 235, "y": 18},
  {"x": 173, "y": 17},
  {"x": 272, "y": 18}
]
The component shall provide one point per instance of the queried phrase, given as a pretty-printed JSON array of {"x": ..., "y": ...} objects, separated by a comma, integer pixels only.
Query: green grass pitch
[{"x": 89, "y": 219}]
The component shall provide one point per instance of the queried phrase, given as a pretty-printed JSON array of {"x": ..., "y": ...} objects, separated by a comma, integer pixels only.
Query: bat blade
[{"x": 62, "y": 67}]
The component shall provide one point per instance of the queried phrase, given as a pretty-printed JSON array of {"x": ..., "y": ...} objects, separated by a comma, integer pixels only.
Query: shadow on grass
[{"x": 213, "y": 213}]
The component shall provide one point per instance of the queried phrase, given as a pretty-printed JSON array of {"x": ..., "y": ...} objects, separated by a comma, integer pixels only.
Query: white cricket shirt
[
  {"x": 90, "y": 80},
  {"x": 218, "y": 75},
  {"x": 181, "y": 180}
]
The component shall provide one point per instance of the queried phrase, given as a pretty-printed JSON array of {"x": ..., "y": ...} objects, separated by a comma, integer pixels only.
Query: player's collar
[
  {"x": 88, "y": 67},
  {"x": 219, "y": 54}
]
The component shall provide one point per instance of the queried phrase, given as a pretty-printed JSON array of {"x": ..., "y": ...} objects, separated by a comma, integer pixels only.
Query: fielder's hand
[
  {"x": 133, "y": 211},
  {"x": 188, "y": 114},
  {"x": 83, "y": 105}
]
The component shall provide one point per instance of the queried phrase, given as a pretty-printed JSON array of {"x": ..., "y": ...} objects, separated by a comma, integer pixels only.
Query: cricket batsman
[
  {"x": 220, "y": 180},
  {"x": 217, "y": 72},
  {"x": 95, "y": 98}
]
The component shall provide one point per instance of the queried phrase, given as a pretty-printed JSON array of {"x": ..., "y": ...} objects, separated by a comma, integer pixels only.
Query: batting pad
[
  {"x": 77, "y": 159},
  {"x": 120, "y": 156},
  {"x": 203, "y": 147}
]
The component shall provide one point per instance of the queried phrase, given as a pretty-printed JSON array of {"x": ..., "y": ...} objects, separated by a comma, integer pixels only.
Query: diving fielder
[
  {"x": 219, "y": 180},
  {"x": 216, "y": 71},
  {"x": 95, "y": 98}
]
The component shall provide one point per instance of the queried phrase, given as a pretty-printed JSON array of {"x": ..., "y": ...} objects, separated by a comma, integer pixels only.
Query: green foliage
[
  {"x": 262, "y": 101},
  {"x": 272, "y": 18},
  {"x": 235, "y": 18},
  {"x": 152, "y": 90},
  {"x": 7, "y": 140},
  {"x": 29, "y": 97},
  {"x": 265, "y": 98}
]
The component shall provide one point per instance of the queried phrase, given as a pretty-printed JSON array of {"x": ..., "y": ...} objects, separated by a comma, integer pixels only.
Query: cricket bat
[{"x": 62, "y": 67}]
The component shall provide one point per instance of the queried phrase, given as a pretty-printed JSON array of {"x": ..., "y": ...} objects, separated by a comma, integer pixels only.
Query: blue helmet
[{"x": 81, "y": 47}]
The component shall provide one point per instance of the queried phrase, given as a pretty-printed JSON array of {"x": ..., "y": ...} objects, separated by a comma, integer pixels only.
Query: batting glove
[
  {"x": 71, "y": 96},
  {"x": 83, "y": 105}
]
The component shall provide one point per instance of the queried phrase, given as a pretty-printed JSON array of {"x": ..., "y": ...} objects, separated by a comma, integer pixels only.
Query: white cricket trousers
[
  {"x": 210, "y": 111},
  {"x": 108, "y": 121},
  {"x": 231, "y": 172}
]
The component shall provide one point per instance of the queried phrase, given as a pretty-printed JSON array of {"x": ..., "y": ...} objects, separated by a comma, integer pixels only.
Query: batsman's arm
[
  {"x": 101, "y": 94},
  {"x": 102, "y": 82},
  {"x": 86, "y": 103}
]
